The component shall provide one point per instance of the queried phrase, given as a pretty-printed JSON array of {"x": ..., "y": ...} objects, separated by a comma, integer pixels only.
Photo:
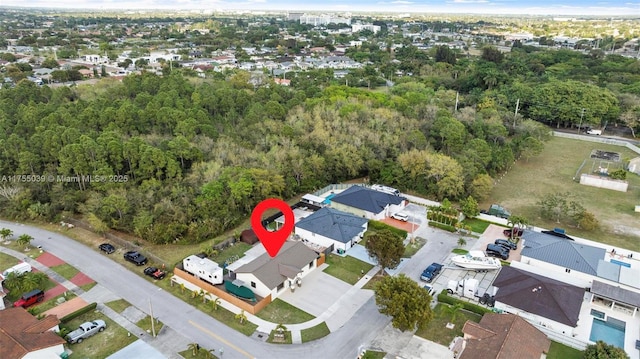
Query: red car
[
  {"x": 30, "y": 298},
  {"x": 154, "y": 272},
  {"x": 517, "y": 232}
]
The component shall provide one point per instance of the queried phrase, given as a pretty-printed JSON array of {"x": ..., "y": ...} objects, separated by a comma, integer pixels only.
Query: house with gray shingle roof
[
  {"x": 367, "y": 203},
  {"x": 331, "y": 228},
  {"x": 272, "y": 276},
  {"x": 560, "y": 254}
]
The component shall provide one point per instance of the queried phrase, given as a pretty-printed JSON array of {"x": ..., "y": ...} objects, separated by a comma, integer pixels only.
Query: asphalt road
[{"x": 196, "y": 326}]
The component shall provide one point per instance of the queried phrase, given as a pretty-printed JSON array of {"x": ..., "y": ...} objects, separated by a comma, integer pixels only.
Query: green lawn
[
  {"x": 102, "y": 344},
  {"x": 561, "y": 351},
  {"x": 188, "y": 354},
  {"x": 413, "y": 248},
  {"x": 346, "y": 268},
  {"x": 145, "y": 324},
  {"x": 372, "y": 282},
  {"x": 280, "y": 311},
  {"x": 65, "y": 270},
  {"x": 7, "y": 261},
  {"x": 237, "y": 249},
  {"x": 118, "y": 305},
  {"x": 371, "y": 354},
  {"x": 459, "y": 251},
  {"x": 437, "y": 331},
  {"x": 553, "y": 171},
  {"x": 477, "y": 225},
  {"x": 313, "y": 333}
]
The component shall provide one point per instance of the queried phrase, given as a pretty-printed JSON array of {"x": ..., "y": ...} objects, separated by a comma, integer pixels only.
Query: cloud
[{"x": 469, "y": 1}]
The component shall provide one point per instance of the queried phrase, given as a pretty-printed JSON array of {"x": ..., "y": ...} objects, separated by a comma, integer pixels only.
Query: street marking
[{"x": 222, "y": 340}]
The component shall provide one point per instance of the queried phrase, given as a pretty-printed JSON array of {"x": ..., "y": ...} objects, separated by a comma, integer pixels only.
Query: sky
[{"x": 529, "y": 7}]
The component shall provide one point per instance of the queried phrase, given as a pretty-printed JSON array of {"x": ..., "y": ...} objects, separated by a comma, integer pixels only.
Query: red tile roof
[{"x": 22, "y": 333}]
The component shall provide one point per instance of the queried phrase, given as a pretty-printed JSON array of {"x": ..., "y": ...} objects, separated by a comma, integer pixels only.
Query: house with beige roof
[{"x": 23, "y": 336}]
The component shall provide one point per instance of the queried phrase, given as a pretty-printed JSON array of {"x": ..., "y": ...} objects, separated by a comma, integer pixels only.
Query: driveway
[
  {"x": 318, "y": 292},
  {"x": 492, "y": 233}
]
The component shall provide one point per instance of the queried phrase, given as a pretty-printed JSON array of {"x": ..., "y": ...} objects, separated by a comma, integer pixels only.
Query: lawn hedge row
[
  {"x": 78, "y": 312},
  {"x": 378, "y": 226},
  {"x": 442, "y": 218},
  {"x": 444, "y": 297},
  {"x": 446, "y": 227}
]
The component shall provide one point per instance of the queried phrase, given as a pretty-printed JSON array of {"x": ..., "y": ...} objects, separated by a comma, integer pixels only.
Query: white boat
[{"x": 476, "y": 260}]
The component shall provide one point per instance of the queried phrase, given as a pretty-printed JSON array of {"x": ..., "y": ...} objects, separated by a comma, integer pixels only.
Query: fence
[
  {"x": 338, "y": 186},
  {"x": 119, "y": 241},
  {"x": 609, "y": 141}
]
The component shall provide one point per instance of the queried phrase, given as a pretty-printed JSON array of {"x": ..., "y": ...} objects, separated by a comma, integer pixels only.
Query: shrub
[
  {"x": 442, "y": 218},
  {"x": 444, "y": 297},
  {"x": 446, "y": 227},
  {"x": 79, "y": 312}
]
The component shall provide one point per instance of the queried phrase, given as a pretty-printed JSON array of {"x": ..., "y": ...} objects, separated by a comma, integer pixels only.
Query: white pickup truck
[{"x": 592, "y": 131}]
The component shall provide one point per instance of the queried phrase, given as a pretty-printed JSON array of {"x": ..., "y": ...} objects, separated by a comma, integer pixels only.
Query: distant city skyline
[{"x": 503, "y": 7}]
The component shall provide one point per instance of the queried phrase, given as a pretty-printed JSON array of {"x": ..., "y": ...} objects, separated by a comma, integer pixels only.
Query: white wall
[
  {"x": 47, "y": 353},
  {"x": 325, "y": 241},
  {"x": 537, "y": 320},
  {"x": 603, "y": 182}
]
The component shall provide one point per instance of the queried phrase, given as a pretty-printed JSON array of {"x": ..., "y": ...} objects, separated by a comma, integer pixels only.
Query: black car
[
  {"x": 517, "y": 232},
  {"x": 431, "y": 272},
  {"x": 507, "y": 244},
  {"x": 107, "y": 248},
  {"x": 135, "y": 258},
  {"x": 495, "y": 250},
  {"x": 154, "y": 272}
]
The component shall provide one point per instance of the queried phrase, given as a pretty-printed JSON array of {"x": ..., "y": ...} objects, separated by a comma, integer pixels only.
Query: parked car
[
  {"x": 431, "y": 272},
  {"x": 86, "y": 330},
  {"x": 498, "y": 211},
  {"x": 507, "y": 244},
  {"x": 495, "y": 250},
  {"x": 432, "y": 292},
  {"x": 154, "y": 272},
  {"x": 593, "y": 131},
  {"x": 135, "y": 258},
  {"x": 107, "y": 248},
  {"x": 18, "y": 269},
  {"x": 517, "y": 232},
  {"x": 400, "y": 216},
  {"x": 29, "y": 298}
]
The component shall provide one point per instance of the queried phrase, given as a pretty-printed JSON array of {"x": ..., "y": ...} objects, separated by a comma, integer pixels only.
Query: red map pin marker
[{"x": 272, "y": 241}]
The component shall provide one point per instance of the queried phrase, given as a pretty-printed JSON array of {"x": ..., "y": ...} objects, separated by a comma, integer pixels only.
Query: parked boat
[{"x": 476, "y": 260}]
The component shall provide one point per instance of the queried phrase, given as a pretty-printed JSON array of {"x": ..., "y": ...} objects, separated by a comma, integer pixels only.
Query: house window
[
  {"x": 281, "y": 286},
  {"x": 567, "y": 270},
  {"x": 253, "y": 284},
  {"x": 310, "y": 265}
]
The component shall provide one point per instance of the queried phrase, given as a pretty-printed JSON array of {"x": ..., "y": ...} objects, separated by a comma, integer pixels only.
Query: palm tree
[
  {"x": 462, "y": 242},
  {"x": 5, "y": 233},
  {"x": 215, "y": 303},
  {"x": 182, "y": 287},
  {"x": 453, "y": 310},
  {"x": 203, "y": 294},
  {"x": 195, "y": 348},
  {"x": 281, "y": 328},
  {"x": 24, "y": 240},
  {"x": 516, "y": 221},
  {"x": 208, "y": 354},
  {"x": 241, "y": 316}
]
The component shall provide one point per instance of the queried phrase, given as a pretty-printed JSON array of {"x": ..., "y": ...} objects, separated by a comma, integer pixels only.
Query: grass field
[
  {"x": 67, "y": 271},
  {"x": 413, "y": 248},
  {"x": 313, "y": 333},
  {"x": 7, "y": 261},
  {"x": 118, "y": 305},
  {"x": 280, "y": 311},
  {"x": 561, "y": 351},
  {"x": 477, "y": 225},
  {"x": 553, "y": 171},
  {"x": 346, "y": 268},
  {"x": 437, "y": 331},
  {"x": 101, "y": 345}
]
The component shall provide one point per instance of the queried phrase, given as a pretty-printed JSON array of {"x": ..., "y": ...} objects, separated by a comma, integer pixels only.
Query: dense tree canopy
[{"x": 405, "y": 301}]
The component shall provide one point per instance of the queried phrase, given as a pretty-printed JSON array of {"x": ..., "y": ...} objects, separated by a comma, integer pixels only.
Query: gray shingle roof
[
  {"x": 334, "y": 224},
  {"x": 293, "y": 256},
  {"x": 616, "y": 293},
  {"x": 562, "y": 252},
  {"x": 539, "y": 295},
  {"x": 366, "y": 199}
]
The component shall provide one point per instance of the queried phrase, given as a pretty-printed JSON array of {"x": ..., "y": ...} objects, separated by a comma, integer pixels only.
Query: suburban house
[
  {"x": 503, "y": 336},
  {"x": 544, "y": 302},
  {"x": 271, "y": 276},
  {"x": 367, "y": 203},
  {"x": 331, "y": 228},
  {"x": 22, "y": 336}
]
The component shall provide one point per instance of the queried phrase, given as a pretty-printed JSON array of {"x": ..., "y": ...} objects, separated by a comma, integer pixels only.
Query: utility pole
[
  {"x": 153, "y": 327},
  {"x": 515, "y": 114},
  {"x": 581, "y": 116}
]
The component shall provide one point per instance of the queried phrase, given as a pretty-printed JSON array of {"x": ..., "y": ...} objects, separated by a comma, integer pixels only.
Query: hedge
[
  {"x": 78, "y": 312},
  {"x": 443, "y": 297},
  {"x": 446, "y": 227},
  {"x": 442, "y": 218},
  {"x": 378, "y": 226}
]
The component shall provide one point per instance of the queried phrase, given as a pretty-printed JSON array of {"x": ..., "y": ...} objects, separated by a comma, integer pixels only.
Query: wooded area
[{"x": 198, "y": 155}]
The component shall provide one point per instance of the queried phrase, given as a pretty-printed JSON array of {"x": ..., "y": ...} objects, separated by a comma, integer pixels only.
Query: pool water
[
  {"x": 327, "y": 200},
  {"x": 610, "y": 331}
]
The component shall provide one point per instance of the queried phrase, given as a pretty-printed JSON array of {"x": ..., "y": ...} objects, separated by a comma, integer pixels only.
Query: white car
[{"x": 400, "y": 217}]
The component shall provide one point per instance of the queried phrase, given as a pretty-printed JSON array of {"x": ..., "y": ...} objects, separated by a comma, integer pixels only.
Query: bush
[
  {"x": 378, "y": 226},
  {"x": 78, "y": 312},
  {"x": 442, "y": 218},
  {"x": 446, "y": 227},
  {"x": 444, "y": 297}
]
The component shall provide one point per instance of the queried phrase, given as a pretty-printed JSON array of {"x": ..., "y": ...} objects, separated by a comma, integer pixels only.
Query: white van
[
  {"x": 18, "y": 269},
  {"x": 385, "y": 189},
  {"x": 592, "y": 131}
]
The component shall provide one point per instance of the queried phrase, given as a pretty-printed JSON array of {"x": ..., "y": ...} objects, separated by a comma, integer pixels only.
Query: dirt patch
[{"x": 407, "y": 226}]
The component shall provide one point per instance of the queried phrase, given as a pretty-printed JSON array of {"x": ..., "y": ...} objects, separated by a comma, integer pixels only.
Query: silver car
[{"x": 86, "y": 330}]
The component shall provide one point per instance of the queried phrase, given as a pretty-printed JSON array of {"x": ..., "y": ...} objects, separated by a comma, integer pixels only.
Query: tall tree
[
  {"x": 405, "y": 301},
  {"x": 386, "y": 247},
  {"x": 602, "y": 350}
]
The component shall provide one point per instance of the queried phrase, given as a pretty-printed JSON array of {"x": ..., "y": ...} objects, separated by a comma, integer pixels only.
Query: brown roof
[
  {"x": 291, "y": 259},
  {"x": 503, "y": 336},
  {"x": 539, "y": 295},
  {"x": 22, "y": 333}
]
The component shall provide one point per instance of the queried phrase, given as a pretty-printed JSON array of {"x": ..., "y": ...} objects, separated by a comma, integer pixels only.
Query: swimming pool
[
  {"x": 327, "y": 200},
  {"x": 610, "y": 331}
]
